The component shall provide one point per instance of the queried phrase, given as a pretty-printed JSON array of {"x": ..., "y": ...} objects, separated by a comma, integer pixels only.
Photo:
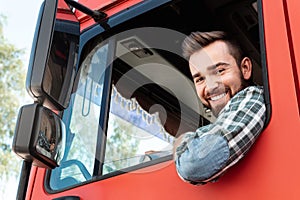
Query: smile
[{"x": 217, "y": 97}]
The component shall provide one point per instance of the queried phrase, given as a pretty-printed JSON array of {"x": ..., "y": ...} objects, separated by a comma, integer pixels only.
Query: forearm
[{"x": 212, "y": 149}]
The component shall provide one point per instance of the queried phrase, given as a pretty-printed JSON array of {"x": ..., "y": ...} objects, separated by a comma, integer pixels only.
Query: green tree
[
  {"x": 12, "y": 78},
  {"x": 121, "y": 145}
]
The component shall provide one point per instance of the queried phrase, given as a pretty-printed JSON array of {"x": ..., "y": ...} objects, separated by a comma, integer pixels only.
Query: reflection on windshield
[
  {"x": 134, "y": 136},
  {"x": 132, "y": 112}
]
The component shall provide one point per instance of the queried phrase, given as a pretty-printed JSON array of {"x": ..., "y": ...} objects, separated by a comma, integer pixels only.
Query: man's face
[{"x": 217, "y": 76}]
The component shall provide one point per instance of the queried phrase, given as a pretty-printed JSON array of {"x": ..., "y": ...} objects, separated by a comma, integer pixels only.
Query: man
[{"x": 222, "y": 77}]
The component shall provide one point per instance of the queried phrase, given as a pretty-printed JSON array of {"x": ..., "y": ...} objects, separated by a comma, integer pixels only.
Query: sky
[
  {"x": 20, "y": 24},
  {"x": 19, "y": 30}
]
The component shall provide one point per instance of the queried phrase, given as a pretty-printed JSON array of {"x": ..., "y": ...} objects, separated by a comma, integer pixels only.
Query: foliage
[
  {"x": 12, "y": 77},
  {"x": 121, "y": 145},
  {"x": 84, "y": 128}
]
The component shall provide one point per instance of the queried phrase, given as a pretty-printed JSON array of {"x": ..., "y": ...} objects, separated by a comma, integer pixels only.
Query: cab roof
[{"x": 109, "y": 7}]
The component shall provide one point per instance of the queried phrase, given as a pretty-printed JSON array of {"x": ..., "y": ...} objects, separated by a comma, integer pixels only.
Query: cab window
[{"x": 134, "y": 92}]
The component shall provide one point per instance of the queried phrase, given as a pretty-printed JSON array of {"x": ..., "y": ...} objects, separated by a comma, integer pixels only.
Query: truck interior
[{"x": 151, "y": 99}]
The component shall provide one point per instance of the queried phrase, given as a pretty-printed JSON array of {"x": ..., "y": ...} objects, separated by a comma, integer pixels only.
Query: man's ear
[{"x": 246, "y": 68}]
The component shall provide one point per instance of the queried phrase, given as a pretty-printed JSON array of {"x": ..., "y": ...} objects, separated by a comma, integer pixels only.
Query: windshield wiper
[{"x": 97, "y": 15}]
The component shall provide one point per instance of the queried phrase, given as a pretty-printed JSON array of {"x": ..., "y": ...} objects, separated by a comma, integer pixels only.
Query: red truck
[{"x": 112, "y": 91}]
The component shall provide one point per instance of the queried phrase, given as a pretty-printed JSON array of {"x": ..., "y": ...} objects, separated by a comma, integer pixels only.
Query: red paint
[{"x": 269, "y": 171}]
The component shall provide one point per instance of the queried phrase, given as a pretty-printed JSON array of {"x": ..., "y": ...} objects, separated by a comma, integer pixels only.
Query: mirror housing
[
  {"x": 39, "y": 136},
  {"x": 52, "y": 64}
]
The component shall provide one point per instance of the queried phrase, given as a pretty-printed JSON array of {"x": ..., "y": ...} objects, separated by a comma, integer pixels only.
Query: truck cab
[{"x": 112, "y": 92}]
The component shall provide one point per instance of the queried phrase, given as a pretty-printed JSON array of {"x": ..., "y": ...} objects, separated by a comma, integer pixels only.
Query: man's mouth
[{"x": 217, "y": 97}]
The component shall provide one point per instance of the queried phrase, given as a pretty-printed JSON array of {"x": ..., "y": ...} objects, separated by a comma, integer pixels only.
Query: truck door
[{"x": 133, "y": 95}]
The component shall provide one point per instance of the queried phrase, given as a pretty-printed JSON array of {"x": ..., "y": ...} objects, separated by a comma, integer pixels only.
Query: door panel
[{"x": 270, "y": 170}]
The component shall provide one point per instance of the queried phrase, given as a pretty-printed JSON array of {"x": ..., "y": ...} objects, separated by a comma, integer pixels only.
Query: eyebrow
[
  {"x": 213, "y": 67},
  {"x": 210, "y": 68},
  {"x": 196, "y": 75}
]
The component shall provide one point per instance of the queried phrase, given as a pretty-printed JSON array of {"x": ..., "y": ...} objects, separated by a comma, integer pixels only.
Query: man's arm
[{"x": 203, "y": 155}]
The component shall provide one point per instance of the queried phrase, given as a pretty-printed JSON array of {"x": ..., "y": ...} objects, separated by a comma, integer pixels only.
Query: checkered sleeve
[
  {"x": 239, "y": 124},
  {"x": 242, "y": 120}
]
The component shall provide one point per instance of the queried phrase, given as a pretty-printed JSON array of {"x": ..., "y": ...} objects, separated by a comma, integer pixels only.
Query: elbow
[{"x": 203, "y": 158}]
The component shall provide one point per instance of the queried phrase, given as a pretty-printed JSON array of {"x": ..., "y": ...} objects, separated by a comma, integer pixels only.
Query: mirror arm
[{"x": 24, "y": 179}]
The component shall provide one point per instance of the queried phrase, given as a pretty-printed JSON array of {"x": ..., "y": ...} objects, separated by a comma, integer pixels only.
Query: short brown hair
[{"x": 197, "y": 40}]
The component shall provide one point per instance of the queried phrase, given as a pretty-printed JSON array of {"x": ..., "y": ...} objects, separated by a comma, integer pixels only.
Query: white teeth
[{"x": 214, "y": 98}]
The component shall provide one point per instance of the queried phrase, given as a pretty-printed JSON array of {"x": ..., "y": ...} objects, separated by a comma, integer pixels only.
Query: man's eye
[
  {"x": 220, "y": 71},
  {"x": 199, "y": 79}
]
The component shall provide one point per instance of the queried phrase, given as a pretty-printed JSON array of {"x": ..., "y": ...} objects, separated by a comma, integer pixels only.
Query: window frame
[{"x": 88, "y": 35}]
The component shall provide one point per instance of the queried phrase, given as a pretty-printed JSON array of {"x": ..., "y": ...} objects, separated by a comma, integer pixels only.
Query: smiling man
[{"x": 222, "y": 77}]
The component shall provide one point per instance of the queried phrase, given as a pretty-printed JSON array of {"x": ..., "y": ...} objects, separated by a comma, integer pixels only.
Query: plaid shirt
[{"x": 239, "y": 122}]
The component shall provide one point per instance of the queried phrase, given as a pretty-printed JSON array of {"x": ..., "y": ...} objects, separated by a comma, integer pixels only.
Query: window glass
[
  {"x": 134, "y": 136},
  {"x": 78, "y": 165}
]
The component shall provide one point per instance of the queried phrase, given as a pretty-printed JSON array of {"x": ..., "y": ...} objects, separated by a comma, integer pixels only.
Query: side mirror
[
  {"x": 39, "y": 136},
  {"x": 52, "y": 65}
]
